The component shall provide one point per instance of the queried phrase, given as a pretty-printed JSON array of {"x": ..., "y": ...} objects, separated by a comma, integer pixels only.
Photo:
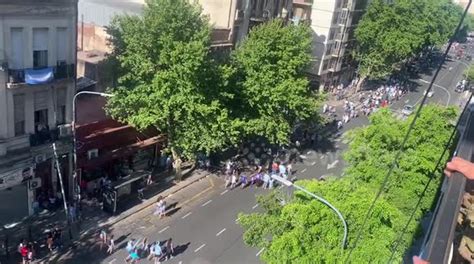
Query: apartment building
[
  {"x": 37, "y": 84},
  {"x": 333, "y": 23}
]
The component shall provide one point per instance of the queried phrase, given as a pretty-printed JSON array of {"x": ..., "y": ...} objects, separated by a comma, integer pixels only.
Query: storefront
[{"x": 16, "y": 193}]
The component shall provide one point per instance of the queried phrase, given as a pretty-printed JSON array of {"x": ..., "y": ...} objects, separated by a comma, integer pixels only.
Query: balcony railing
[
  {"x": 438, "y": 245},
  {"x": 43, "y": 137},
  {"x": 59, "y": 72}
]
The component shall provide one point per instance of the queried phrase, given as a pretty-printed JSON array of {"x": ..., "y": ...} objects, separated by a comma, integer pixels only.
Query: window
[
  {"x": 335, "y": 17},
  {"x": 61, "y": 106},
  {"x": 61, "y": 46},
  {"x": 332, "y": 32},
  {"x": 40, "y": 47},
  {"x": 325, "y": 65},
  {"x": 16, "y": 59},
  {"x": 19, "y": 114},
  {"x": 41, "y": 120}
]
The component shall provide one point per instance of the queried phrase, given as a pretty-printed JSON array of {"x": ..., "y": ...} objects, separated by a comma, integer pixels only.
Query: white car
[
  {"x": 430, "y": 94},
  {"x": 408, "y": 110}
]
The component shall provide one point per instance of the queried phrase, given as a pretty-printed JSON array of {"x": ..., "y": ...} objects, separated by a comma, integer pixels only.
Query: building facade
[
  {"x": 37, "y": 84},
  {"x": 333, "y": 24}
]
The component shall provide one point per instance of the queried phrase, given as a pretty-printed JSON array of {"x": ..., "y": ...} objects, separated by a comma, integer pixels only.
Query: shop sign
[{"x": 16, "y": 177}]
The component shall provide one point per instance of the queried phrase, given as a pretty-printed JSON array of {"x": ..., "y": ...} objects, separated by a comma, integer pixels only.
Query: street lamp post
[
  {"x": 288, "y": 183},
  {"x": 74, "y": 140}
]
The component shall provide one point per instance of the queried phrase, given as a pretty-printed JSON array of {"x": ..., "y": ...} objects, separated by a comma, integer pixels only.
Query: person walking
[
  {"x": 111, "y": 245},
  {"x": 233, "y": 181},
  {"x": 169, "y": 249},
  {"x": 102, "y": 238}
]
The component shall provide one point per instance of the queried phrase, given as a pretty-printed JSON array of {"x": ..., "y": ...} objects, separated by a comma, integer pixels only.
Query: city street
[{"x": 202, "y": 221}]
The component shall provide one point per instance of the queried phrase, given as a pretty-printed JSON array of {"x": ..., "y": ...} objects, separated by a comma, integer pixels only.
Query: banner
[
  {"x": 33, "y": 76},
  {"x": 16, "y": 177}
]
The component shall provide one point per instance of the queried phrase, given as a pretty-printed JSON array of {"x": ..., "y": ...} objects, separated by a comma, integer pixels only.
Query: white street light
[{"x": 288, "y": 183}]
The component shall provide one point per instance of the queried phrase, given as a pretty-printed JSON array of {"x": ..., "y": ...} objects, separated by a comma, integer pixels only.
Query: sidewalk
[{"x": 94, "y": 219}]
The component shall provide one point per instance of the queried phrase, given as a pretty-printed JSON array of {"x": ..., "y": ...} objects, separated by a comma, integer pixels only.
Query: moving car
[
  {"x": 430, "y": 94},
  {"x": 408, "y": 110}
]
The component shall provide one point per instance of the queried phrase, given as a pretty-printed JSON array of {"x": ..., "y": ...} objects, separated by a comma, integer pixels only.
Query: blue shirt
[{"x": 158, "y": 250}]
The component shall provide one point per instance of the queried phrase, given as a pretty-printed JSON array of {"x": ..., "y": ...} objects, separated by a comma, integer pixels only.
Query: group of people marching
[
  {"x": 259, "y": 177},
  {"x": 156, "y": 251}
]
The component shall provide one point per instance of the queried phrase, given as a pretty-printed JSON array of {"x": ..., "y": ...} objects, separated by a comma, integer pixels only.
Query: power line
[
  {"x": 405, "y": 139},
  {"x": 446, "y": 147}
]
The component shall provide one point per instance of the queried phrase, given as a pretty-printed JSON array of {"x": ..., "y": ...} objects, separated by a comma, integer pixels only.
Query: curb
[{"x": 150, "y": 201}]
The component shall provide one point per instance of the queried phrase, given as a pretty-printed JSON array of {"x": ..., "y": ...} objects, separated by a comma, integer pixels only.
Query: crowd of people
[
  {"x": 259, "y": 177},
  {"x": 156, "y": 251},
  {"x": 381, "y": 97}
]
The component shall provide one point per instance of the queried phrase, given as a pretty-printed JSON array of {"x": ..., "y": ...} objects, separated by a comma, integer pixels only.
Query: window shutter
[
  {"x": 61, "y": 43},
  {"x": 41, "y": 100},
  {"x": 40, "y": 39},
  {"x": 16, "y": 59},
  {"x": 19, "y": 107},
  {"x": 61, "y": 96}
]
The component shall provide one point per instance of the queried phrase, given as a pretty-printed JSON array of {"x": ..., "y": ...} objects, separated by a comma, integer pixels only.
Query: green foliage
[
  {"x": 167, "y": 79},
  {"x": 470, "y": 74},
  {"x": 272, "y": 93},
  {"x": 306, "y": 231},
  {"x": 390, "y": 33}
]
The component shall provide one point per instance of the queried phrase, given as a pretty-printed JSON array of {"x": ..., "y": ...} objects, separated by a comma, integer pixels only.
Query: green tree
[
  {"x": 306, "y": 231},
  {"x": 271, "y": 92},
  {"x": 470, "y": 74},
  {"x": 167, "y": 79},
  {"x": 389, "y": 34}
]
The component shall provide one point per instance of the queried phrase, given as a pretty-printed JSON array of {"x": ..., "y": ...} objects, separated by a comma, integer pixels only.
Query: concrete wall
[{"x": 221, "y": 12}]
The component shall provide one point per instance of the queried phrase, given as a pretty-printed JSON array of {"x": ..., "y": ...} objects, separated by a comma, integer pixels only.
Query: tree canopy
[
  {"x": 306, "y": 231},
  {"x": 165, "y": 70},
  {"x": 271, "y": 91},
  {"x": 391, "y": 33},
  {"x": 169, "y": 79}
]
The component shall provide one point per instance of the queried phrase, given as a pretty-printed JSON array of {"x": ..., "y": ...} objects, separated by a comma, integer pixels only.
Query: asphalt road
[{"x": 204, "y": 225}]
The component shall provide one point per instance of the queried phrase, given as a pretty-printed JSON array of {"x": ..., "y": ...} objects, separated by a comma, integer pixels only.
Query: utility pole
[{"x": 58, "y": 170}]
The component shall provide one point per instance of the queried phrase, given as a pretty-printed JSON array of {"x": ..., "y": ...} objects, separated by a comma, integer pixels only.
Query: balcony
[
  {"x": 39, "y": 76},
  {"x": 449, "y": 236},
  {"x": 43, "y": 137}
]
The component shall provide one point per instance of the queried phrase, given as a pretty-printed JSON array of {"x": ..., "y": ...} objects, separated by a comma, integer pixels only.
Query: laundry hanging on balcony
[{"x": 39, "y": 76}]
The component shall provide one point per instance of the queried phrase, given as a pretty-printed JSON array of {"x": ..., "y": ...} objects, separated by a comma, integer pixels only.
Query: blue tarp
[{"x": 34, "y": 76}]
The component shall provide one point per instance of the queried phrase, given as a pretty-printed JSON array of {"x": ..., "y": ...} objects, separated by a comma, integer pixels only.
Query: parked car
[{"x": 408, "y": 110}]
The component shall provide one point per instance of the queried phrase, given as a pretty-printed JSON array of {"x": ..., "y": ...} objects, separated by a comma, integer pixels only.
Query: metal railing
[
  {"x": 60, "y": 72},
  {"x": 438, "y": 243}
]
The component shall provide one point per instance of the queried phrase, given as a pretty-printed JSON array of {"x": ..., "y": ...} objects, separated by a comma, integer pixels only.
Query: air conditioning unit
[
  {"x": 92, "y": 154},
  {"x": 65, "y": 130},
  {"x": 40, "y": 158},
  {"x": 35, "y": 183}
]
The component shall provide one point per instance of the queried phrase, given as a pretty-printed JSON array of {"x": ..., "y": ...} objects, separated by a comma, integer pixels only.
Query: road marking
[
  {"x": 206, "y": 203},
  {"x": 180, "y": 262},
  {"x": 186, "y": 215},
  {"x": 332, "y": 165},
  {"x": 303, "y": 170},
  {"x": 260, "y": 252},
  {"x": 303, "y": 157},
  {"x": 199, "y": 248},
  {"x": 322, "y": 157},
  {"x": 313, "y": 163},
  {"x": 309, "y": 152},
  {"x": 164, "y": 229},
  {"x": 112, "y": 261},
  {"x": 224, "y": 192},
  {"x": 220, "y": 232},
  {"x": 142, "y": 227},
  {"x": 441, "y": 87},
  {"x": 197, "y": 195},
  {"x": 255, "y": 206}
]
